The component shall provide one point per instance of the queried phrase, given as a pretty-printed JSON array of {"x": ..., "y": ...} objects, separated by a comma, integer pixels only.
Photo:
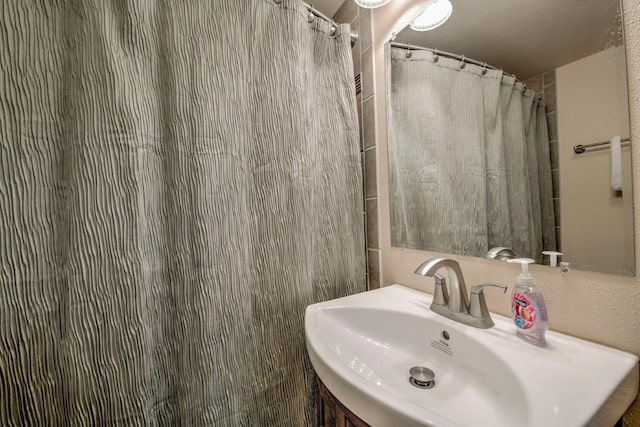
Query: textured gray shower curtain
[
  {"x": 180, "y": 179},
  {"x": 469, "y": 164}
]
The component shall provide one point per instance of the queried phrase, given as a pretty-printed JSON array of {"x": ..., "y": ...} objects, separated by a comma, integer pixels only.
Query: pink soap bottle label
[{"x": 524, "y": 313}]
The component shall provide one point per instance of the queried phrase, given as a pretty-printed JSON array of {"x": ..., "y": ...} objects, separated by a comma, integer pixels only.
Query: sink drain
[{"x": 422, "y": 377}]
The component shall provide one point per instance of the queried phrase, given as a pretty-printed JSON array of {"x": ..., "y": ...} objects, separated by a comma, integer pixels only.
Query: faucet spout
[{"x": 458, "y": 299}]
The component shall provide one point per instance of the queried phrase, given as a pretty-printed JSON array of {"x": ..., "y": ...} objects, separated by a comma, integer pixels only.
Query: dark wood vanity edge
[{"x": 332, "y": 413}]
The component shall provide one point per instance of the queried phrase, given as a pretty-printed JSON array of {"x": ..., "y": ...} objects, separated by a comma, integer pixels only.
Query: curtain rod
[
  {"x": 579, "y": 149},
  {"x": 445, "y": 54},
  {"x": 316, "y": 12},
  {"x": 450, "y": 55}
]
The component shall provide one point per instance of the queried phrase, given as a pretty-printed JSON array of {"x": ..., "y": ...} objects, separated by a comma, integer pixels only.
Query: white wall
[{"x": 597, "y": 222}]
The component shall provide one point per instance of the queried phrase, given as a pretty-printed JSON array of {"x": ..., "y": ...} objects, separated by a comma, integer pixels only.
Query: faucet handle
[
  {"x": 478, "y": 289},
  {"x": 440, "y": 294},
  {"x": 478, "y": 304}
]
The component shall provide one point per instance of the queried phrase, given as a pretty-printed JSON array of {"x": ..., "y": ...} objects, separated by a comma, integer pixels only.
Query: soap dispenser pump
[
  {"x": 528, "y": 307},
  {"x": 553, "y": 257}
]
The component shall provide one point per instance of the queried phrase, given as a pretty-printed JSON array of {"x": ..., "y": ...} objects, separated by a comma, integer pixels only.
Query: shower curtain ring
[
  {"x": 333, "y": 31},
  {"x": 463, "y": 64},
  {"x": 435, "y": 55},
  {"x": 408, "y": 54},
  {"x": 484, "y": 68},
  {"x": 311, "y": 17}
]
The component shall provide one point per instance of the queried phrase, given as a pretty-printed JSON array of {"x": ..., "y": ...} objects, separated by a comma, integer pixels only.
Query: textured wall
[{"x": 598, "y": 307}]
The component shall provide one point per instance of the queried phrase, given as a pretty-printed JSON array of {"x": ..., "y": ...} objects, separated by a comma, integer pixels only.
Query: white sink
[{"x": 363, "y": 346}]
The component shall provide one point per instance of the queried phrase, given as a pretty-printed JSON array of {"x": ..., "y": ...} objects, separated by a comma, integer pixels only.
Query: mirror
[{"x": 481, "y": 150}]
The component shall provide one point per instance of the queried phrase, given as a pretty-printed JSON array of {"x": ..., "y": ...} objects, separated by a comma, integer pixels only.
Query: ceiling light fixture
[
  {"x": 371, "y": 4},
  {"x": 434, "y": 15}
]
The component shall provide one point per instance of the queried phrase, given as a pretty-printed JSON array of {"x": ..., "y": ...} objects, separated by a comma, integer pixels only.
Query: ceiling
[
  {"x": 327, "y": 7},
  {"x": 522, "y": 37}
]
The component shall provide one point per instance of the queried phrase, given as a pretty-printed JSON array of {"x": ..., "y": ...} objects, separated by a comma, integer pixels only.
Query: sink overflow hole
[
  {"x": 445, "y": 335},
  {"x": 422, "y": 377}
]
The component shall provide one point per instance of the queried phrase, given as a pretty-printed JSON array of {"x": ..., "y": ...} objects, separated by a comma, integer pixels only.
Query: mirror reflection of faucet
[
  {"x": 454, "y": 303},
  {"x": 500, "y": 253}
]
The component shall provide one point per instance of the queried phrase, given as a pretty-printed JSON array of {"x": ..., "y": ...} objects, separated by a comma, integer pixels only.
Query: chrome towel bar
[{"x": 579, "y": 149}]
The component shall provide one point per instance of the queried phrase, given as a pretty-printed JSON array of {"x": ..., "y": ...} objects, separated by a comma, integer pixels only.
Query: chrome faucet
[{"x": 455, "y": 304}]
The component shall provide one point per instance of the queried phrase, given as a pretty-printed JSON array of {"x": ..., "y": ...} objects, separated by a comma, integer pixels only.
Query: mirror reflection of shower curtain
[
  {"x": 179, "y": 181},
  {"x": 469, "y": 159}
]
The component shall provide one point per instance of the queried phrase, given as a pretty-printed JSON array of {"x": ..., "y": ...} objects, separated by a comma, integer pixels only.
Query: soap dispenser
[
  {"x": 553, "y": 257},
  {"x": 528, "y": 307}
]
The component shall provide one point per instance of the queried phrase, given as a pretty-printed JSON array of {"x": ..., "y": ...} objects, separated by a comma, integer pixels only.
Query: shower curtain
[
  {"x": 469, "y": 159},
  {"x": 179, "y": 181}
]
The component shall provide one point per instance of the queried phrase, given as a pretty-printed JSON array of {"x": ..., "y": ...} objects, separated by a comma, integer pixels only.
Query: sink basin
[{"x": 363, "y": 347}]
